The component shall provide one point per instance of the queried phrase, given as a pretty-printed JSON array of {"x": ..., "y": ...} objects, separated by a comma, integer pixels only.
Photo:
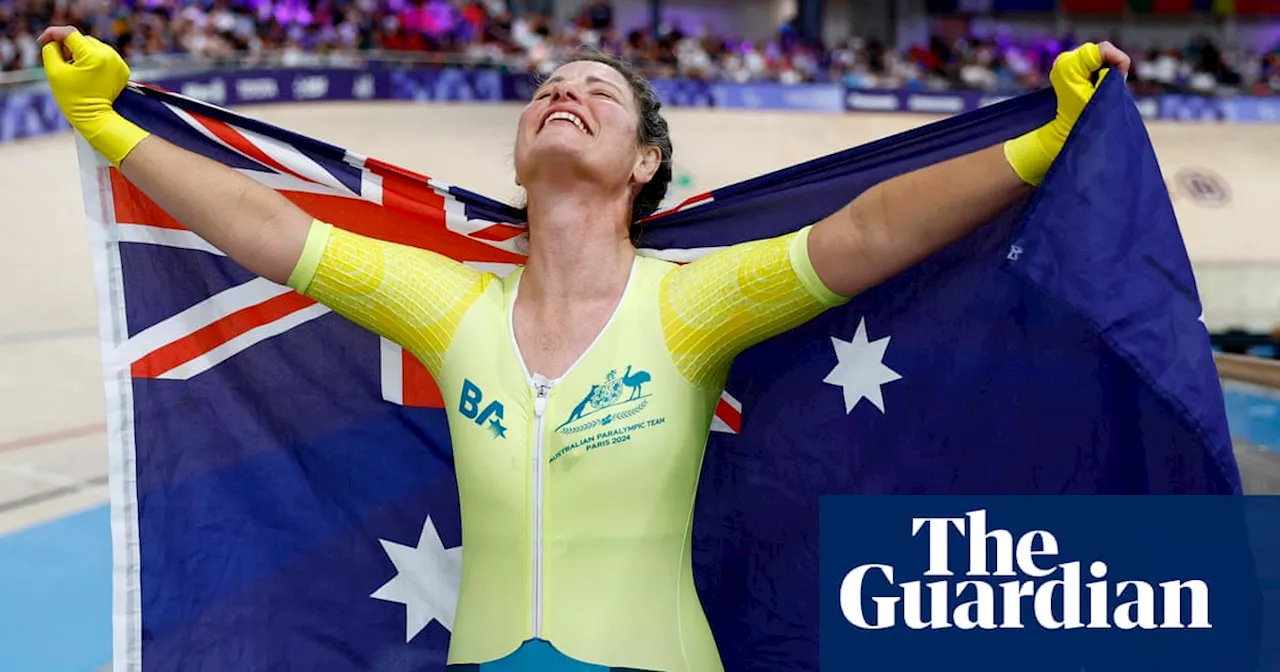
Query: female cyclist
[{"x": 581, "y": 387}]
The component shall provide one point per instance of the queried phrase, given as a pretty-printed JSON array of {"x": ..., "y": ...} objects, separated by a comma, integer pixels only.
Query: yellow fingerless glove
[
  {"x": 85, "y": 89},
  {"x": 1031, "y": 154}
]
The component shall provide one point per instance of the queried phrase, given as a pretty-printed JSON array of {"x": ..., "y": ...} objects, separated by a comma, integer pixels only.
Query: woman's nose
[{"x": 564, "y": 90}]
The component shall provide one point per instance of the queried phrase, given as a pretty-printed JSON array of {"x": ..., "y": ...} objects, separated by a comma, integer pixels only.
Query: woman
[{"x": 581, "y": 387}]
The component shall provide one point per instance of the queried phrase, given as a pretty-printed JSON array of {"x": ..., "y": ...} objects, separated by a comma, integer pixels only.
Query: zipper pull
[
  {"x": 540, "y": 403},
  {"x": 541, "y": 387}
]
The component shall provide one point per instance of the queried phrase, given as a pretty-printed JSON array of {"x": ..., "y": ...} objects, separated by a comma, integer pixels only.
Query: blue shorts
[{"x": 537, "y": 655}]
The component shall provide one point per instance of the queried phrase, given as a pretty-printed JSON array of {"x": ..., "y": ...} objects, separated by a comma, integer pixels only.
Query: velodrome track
[{"x": 54, "y": 534}]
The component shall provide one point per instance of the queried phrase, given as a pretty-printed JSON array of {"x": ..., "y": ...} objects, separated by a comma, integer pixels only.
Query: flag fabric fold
[{"x": 282, "y": 485}]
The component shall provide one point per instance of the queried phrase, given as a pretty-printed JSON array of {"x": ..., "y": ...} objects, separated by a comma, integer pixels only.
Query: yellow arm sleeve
[
  {"x": 411, "y": 296},
  {"x": 718, "y": 306}
]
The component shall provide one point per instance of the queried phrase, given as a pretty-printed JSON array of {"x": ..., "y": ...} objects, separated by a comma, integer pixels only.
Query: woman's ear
[{"x": 647, "y": 161}]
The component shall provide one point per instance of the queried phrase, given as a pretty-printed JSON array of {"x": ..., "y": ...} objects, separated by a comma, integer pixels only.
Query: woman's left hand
[{"x": 1074, "y": 84}]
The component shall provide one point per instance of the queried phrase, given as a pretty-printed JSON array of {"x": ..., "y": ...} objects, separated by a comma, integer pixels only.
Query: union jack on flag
[{"x": 282, "y": 485}]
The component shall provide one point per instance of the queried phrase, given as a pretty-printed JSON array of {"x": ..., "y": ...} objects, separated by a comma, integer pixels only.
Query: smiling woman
[
  {"x": 580, "y": 388},
  {"x": 611, "y": 83}
]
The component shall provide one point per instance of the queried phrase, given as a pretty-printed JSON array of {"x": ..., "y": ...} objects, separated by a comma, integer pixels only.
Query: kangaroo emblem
[{"x": 576, "y": 414}]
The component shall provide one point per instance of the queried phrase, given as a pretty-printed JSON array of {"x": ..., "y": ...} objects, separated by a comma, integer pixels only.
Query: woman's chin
[{"x": 559, "y": 156}]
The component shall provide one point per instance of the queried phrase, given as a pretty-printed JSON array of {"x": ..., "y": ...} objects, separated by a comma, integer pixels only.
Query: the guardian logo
[{"x": 1037, "y": 588}]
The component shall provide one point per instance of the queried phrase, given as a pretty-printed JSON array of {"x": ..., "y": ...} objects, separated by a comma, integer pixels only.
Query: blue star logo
[{"x": 499, "y": 432}]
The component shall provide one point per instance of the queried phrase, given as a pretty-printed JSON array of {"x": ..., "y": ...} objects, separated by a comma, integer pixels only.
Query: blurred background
[
  {"x": 799, "y": 78},
  {"x": 1207, "y": 47}
]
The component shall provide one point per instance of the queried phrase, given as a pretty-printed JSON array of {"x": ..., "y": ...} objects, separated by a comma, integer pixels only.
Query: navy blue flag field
[{"x": 282, "y": 485}]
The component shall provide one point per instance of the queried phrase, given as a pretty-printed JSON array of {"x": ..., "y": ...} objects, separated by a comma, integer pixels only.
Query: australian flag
[{"x": 283, "y": 494}]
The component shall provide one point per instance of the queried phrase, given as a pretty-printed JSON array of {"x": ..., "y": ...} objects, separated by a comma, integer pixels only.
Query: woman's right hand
[
  {"x": 250, "y": 222},
  {"x": 86, "y": 76}
]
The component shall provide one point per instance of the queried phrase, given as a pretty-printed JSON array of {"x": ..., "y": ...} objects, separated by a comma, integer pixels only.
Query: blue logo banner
[{"x": 1050, "y": 583}]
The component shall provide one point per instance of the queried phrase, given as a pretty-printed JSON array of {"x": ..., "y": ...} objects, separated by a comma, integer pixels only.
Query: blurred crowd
[
  {"x": 300, "y": 32},
  {"x": 1005, "y": 63}
]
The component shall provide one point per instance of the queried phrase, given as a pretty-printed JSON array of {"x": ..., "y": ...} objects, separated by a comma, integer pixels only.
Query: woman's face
[{"x": 581, "y": 124}]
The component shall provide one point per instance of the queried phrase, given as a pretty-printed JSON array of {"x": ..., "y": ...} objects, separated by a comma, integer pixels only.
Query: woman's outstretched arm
[
  {"x": 252, "y": 223},
  {"x": 412, "y": 296},
  {"x": 901, "y": 221}
]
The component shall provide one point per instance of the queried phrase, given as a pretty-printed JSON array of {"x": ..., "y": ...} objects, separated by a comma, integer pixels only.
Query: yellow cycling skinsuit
[{"x": 576, "y": 494}]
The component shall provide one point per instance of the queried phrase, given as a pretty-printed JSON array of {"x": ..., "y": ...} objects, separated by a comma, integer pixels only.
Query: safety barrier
[{"x": 1246, "y": 369}]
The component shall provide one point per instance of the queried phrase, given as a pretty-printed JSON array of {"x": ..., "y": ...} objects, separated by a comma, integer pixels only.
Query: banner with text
[{"x": 1099, "y": 583}]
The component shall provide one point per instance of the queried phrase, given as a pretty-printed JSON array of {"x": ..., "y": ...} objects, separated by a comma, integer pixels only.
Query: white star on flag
[
  {"x": 426, "y": 581},
  {"x": 860, "y": 369}
]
